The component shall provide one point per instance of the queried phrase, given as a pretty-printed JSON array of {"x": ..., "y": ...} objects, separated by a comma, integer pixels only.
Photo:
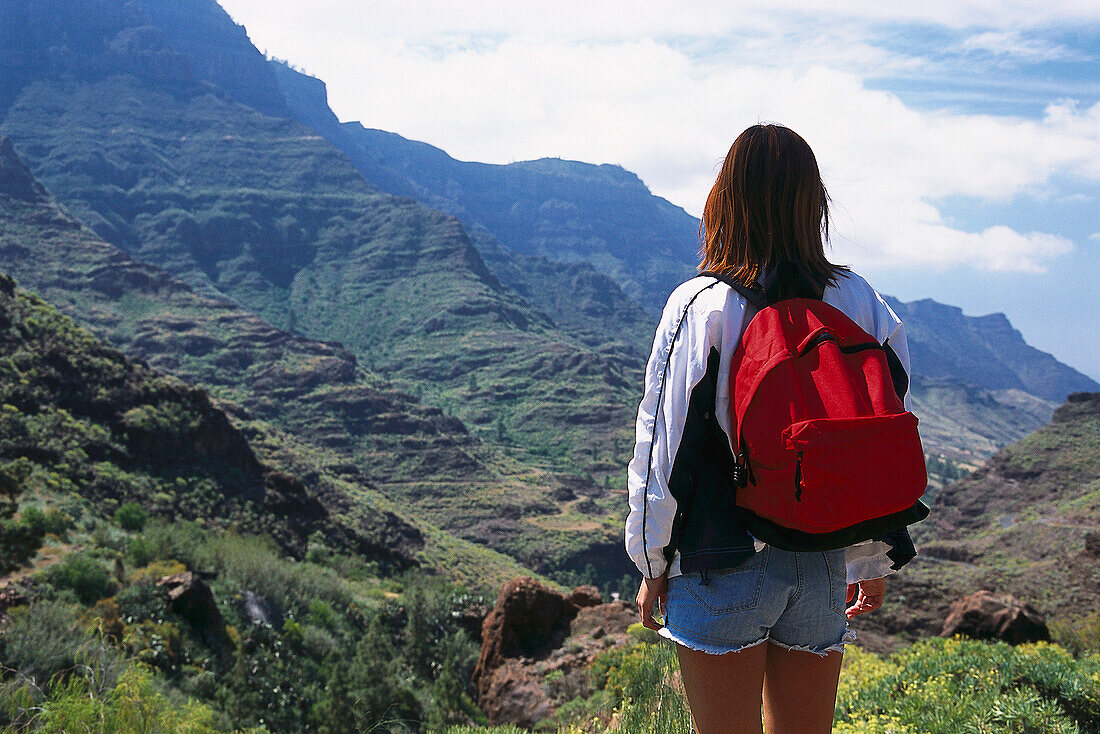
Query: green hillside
[
  {"x": 166, "y": 566},
  {"x": 338, "y": 424},
  {"x": 1027, "y": 523},
  {"x": 262, "y": 210}
]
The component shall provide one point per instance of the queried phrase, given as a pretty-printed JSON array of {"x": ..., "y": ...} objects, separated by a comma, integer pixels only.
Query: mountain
[
  {"x": 511, "y": 376},
  {"x": 1027, "y": 522},
  {"x": 566, "y": 211},
  {"x": 260, "y": 209},
  {"x": 982, "y": 350},
  {"x": 305, "y": 406},
  {"x": 977, "y": 384},
  {"x": 115, "y": 431}
]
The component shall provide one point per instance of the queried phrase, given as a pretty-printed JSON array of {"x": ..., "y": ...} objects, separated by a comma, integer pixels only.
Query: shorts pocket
[
  {"x": 838, "y": 579},
  {"x": 733, "y": 589}
]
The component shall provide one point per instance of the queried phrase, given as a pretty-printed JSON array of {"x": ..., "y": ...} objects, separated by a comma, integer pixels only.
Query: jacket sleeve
[{"x": 676, "y": 363}]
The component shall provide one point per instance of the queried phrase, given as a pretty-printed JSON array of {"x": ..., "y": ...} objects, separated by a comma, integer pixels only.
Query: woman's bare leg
[
  {"x": 723, "y": 691},
  {"x": 800, "y": 691}
]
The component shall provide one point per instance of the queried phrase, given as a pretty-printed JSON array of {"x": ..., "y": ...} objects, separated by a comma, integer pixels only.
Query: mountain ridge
[{"x": 343, "y": 428}]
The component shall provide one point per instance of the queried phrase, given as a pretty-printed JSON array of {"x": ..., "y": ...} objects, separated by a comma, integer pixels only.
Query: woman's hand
[
  {"x": 869, "y": 597},
  {"x": 652, "y": 590}
]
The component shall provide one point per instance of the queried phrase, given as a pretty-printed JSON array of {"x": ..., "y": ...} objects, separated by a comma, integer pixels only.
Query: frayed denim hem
[
  {"x": 848, "y": 638},
  {"x": 708, "y": 648}
]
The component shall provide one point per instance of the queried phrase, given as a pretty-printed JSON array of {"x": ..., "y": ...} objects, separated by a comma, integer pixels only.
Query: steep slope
[
  {"x": 982, "y": 350},
  {"x": 262, "y": 210},
  {"x": 344, "y": 430},
  {"x": 92, "y": 422},
  {"x": 1027, "y": 522},
  {"x": 566, "y": 211}
]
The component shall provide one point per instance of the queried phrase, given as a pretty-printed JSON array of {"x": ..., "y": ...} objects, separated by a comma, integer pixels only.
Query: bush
[
  {"x": 41, "y": 523},
  {"x": 141, "y": 550},
  {"x": 136, "y": 704},
  {"x": 43, "y": 639},
  {"x": 82, "y": 575},
  {"x": 1079, "y": 635},
  {"x": 131, "y": 516},
  {"x": 946, "y": 686}
]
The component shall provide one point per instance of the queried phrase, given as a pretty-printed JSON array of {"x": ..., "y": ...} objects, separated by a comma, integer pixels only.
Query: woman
[{"x": 723, "y": 593}]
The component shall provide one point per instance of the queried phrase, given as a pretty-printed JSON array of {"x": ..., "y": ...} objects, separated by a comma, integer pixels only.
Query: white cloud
[
  {"x": 1015, "y": 45},
  {"x": 663, "y": 89}
]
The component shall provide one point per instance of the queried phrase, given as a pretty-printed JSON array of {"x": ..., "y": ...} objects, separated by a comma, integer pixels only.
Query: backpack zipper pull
[
  {"x": 798, "y": 478},
  {"x": 739, "y": 476}
]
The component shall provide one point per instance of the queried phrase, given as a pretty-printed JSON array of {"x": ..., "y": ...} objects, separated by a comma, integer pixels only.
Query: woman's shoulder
[
  {"x": 853, "y": 295},
  {"x": 704, "y": 290}
]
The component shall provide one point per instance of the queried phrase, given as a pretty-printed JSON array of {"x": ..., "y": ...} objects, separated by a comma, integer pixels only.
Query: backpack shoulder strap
[
  {"x": 791, "y": 280},
  {"x": 755, "y": 296}
]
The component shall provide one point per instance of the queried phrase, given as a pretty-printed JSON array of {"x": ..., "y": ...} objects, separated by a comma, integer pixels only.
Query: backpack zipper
[{"x": 798, "y": 478}]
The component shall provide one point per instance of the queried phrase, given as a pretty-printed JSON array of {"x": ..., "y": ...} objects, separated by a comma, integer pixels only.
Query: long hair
[{"x": 768, "y": 206}]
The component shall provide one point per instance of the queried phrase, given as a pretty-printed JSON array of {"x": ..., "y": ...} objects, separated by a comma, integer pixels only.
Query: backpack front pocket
[{"x": 849, "y": 470}]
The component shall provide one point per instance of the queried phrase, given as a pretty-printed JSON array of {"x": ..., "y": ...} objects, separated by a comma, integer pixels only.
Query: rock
[
  {"x": 514, "y": 696},
  {"x": 586, "y": 596},
  {"x": 191, "y": 598},
  {"x": 532, "y": 631},
  {"x": 986, "y": 616},
  {"x": 259, "y": 610},
  {"x": 11, "y": 597},
  {"x": 1092, "y": 544}
]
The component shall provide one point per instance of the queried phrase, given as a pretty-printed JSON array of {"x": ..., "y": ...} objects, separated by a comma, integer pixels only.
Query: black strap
[
  {"x": 755, "y": 296},
  {"x": 790, "y": 279},
  {"x": 786, "y": 280}
]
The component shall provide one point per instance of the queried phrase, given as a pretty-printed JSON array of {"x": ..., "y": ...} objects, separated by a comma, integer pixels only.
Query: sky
[{"x": 959, "y": 140}]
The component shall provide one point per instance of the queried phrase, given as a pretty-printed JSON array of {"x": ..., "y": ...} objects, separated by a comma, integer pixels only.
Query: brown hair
[{"x": 767, "y": 206}]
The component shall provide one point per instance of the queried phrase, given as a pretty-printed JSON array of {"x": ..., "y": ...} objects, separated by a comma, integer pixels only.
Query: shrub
[
  {"x": 82, "y": 575},
  {"x": 135, "y": 704},
  {"x": 42, "y": 523},
  {"x": 141, "y": 550},
  {"x": 131, "y": 516},
  {"x": 43, "y": 639},
  {"x": 1079, "y": 635}
]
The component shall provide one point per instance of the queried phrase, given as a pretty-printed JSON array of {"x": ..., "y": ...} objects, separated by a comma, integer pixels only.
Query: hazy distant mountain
[
  {"x": 983, "y": 350},
  {"x": 566, "y": 211}
]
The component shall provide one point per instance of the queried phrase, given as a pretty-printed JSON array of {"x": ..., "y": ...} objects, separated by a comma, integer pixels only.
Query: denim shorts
[{"x": 794, "y": 600}]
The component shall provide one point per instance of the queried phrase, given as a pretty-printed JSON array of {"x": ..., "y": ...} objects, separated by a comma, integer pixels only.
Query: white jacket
[{"x": 704, "y": 316}]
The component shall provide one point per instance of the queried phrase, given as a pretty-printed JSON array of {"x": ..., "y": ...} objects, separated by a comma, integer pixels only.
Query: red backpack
[{"x": 826, "y": 453}]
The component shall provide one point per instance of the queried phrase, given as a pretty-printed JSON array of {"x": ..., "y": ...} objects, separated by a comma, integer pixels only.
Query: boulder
[
  {"x": 191, "y": 598},
  {"x": 528, "y": 619},
  {"x": 259, "y": 610},
  {"x": 533, "y": 630},
  {"x": 586, "y": 596},
  {"x": 986, "y": 616},
  {"x": 514, "y": 696}
]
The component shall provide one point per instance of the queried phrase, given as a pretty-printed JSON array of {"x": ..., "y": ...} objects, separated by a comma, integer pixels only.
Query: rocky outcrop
[
  {"x": 191, "y": 598},
  {"x": 986, "y": 616},
  {"x": 533, "y": 631}
]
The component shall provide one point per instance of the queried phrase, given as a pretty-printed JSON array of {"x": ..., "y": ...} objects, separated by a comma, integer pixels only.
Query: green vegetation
[
  {"x": 131, "y": 516},
  {"x": 324, "y": 645},
  {"x": 933, "y": 687}
]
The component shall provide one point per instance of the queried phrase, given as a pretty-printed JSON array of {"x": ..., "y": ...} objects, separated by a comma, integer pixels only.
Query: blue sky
[{"x": 960, "y": 140}]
